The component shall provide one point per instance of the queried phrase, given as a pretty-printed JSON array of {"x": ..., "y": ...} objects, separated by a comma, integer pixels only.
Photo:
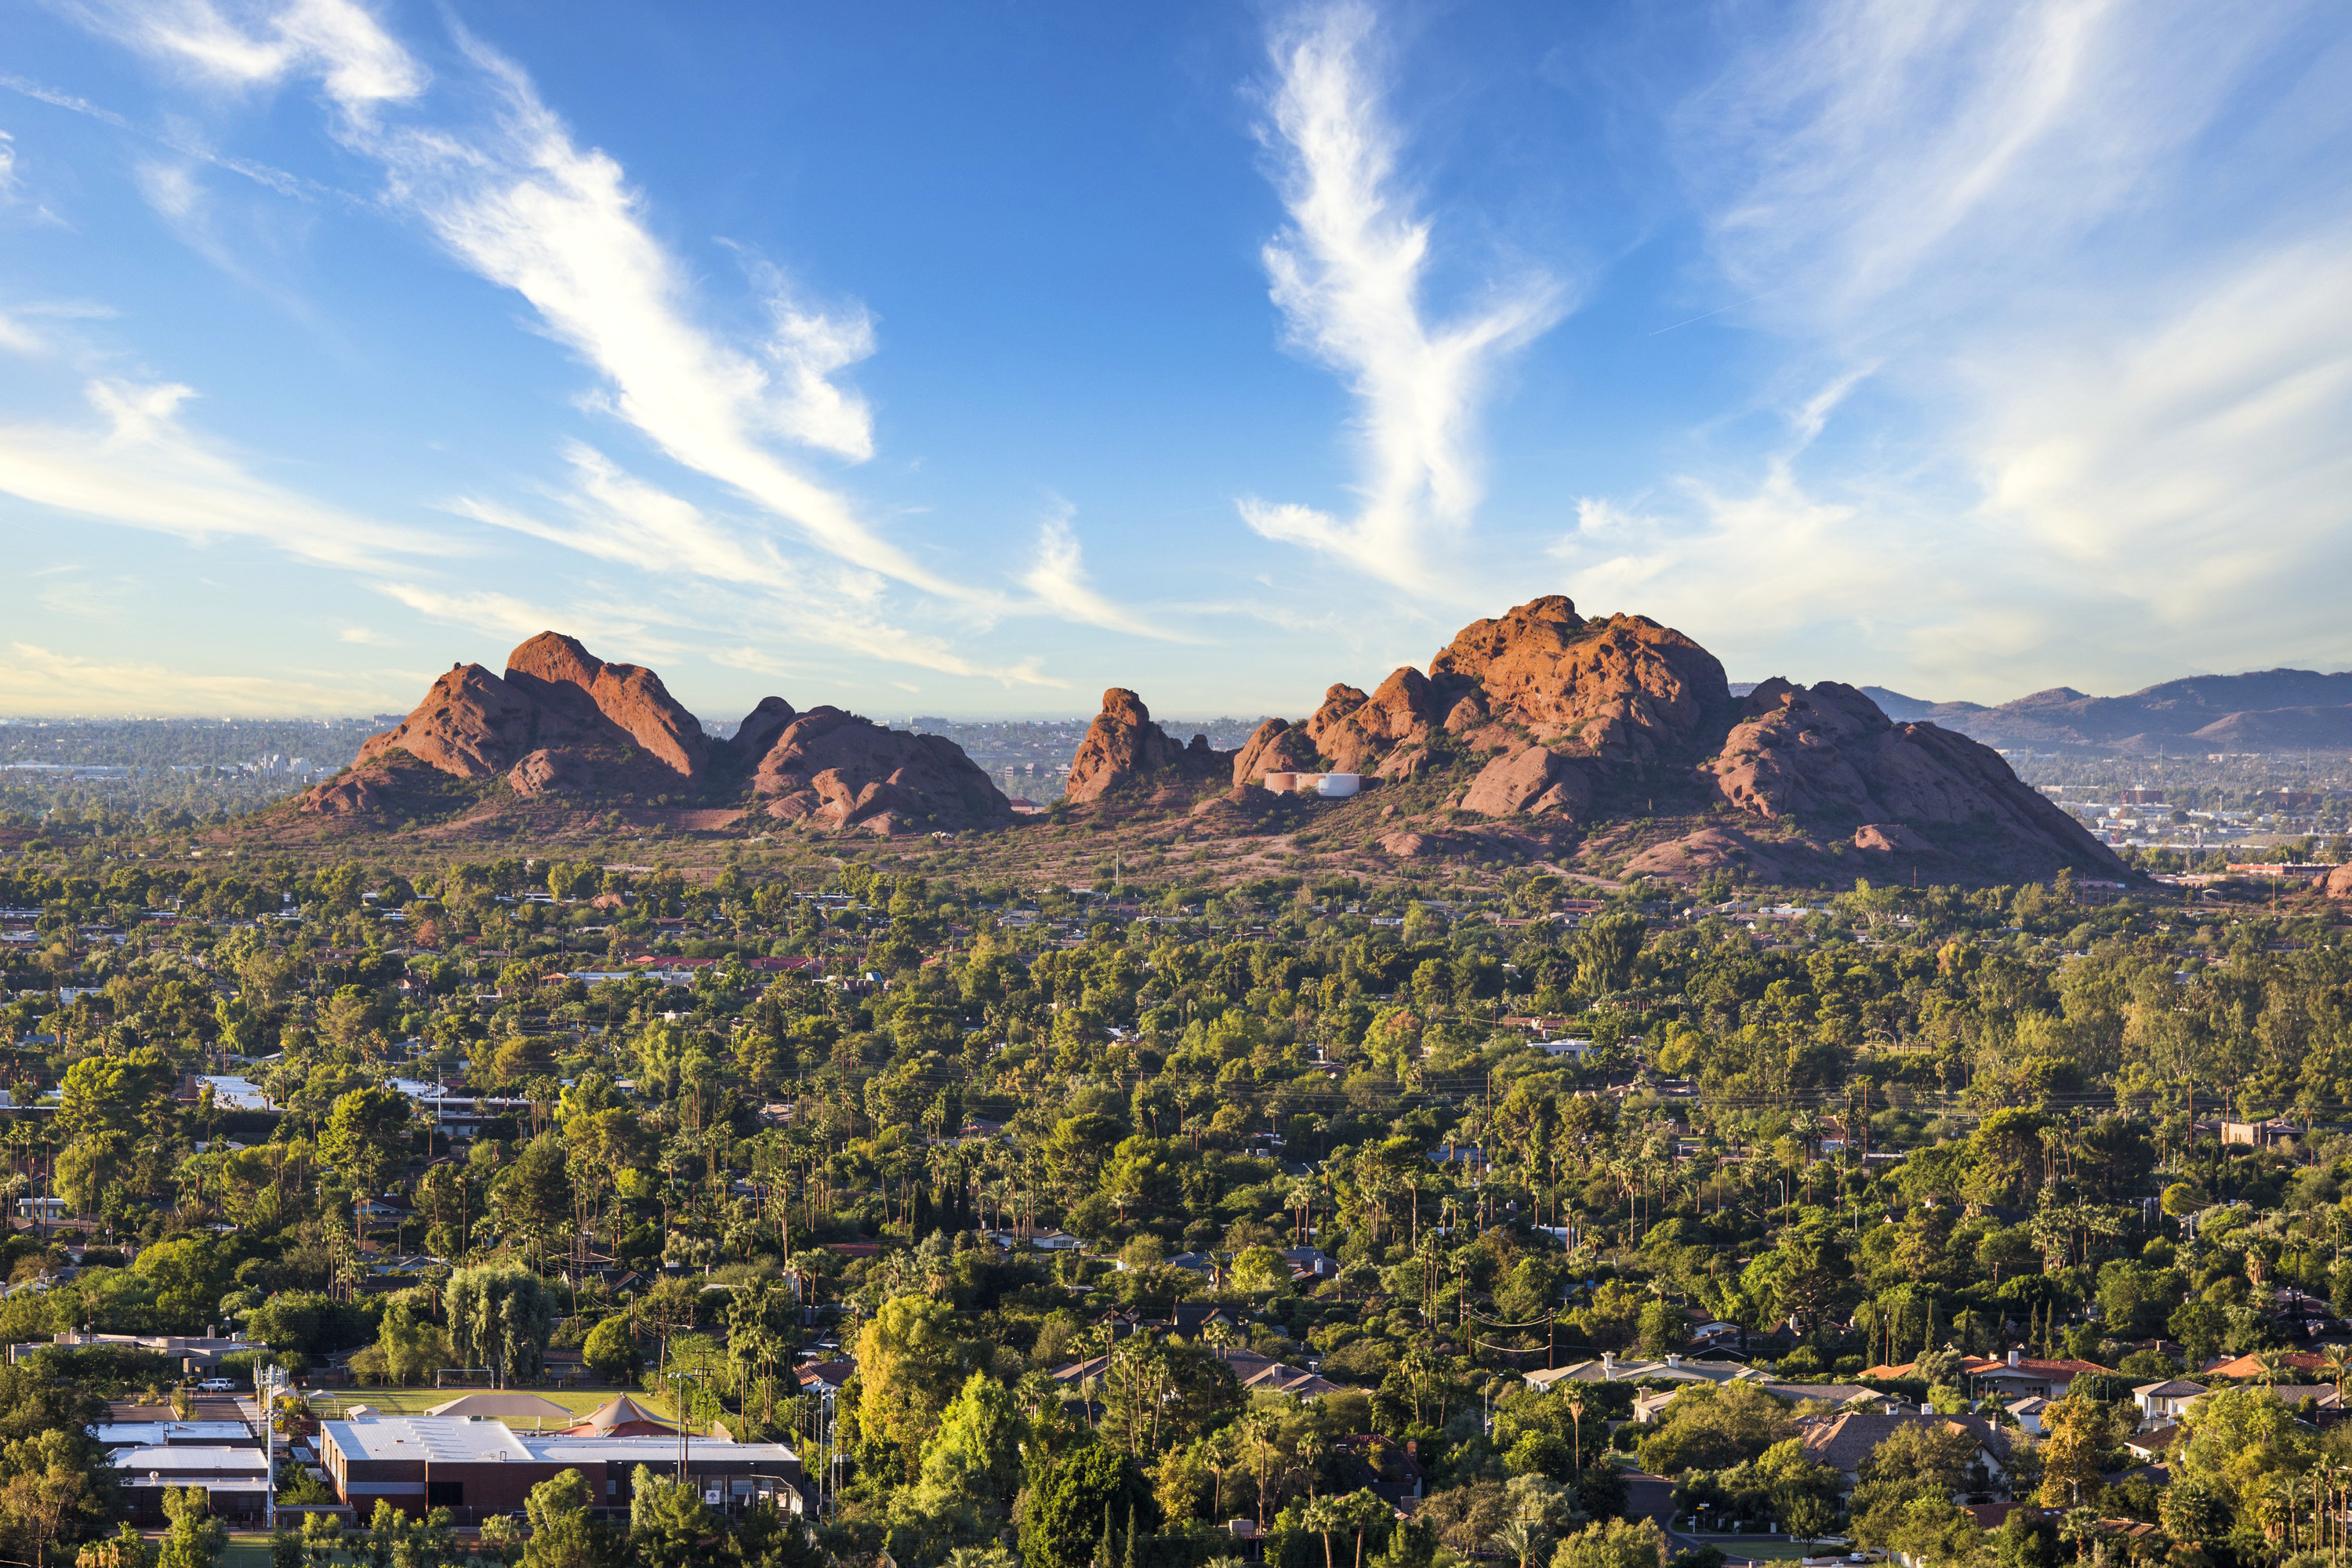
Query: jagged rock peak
[
  {"x": 1123, "y": 744},
  {"x": 631, "y": 697}
]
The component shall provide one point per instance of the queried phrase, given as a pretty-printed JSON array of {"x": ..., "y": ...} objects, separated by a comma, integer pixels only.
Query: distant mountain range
[{"x": 2264, "y": 711}]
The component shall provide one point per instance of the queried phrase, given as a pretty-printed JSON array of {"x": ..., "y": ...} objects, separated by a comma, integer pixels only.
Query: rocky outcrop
[
  {"x": 1827, "y": 752},
  {"x": 832, "y": 769},
  {"x": 1535, "y": 782},
  {"x": 392, "y": 785},
  {"x": 2338, "y": 883},
  {"x": 1277, "y": 746},
  {"x": 1624, "y": 689},
  {"x": 1358, "y": 733},
  {"x": 760, "y": 727},
  {"x": 573, "y": 685},
  {"x": 471, "y": 725},
  {"x": 1123, "y": 745},
  {"x": 560, "y": 717},
  {"x": 562, "y": 721}
]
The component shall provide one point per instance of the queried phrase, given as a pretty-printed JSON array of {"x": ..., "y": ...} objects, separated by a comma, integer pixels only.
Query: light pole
[{"x": 685, "y": 1413}]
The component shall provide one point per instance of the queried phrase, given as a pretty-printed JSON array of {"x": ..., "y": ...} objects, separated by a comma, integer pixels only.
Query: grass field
[
  {"x": 247, "y": 1549},
  {"x": 417, "y": 1401}
]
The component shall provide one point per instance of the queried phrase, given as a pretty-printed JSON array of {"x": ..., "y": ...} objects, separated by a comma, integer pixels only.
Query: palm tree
[
  {"x": 2335, "y": 1361},
  {"x": 1322, "y": 1517},
  {"x": 1520, "y": 1538}
]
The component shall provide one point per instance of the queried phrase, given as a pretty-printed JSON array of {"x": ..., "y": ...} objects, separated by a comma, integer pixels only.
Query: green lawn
[
  {"x": 417, "y": 1401},
  {"x": 247, "y": 1549}
]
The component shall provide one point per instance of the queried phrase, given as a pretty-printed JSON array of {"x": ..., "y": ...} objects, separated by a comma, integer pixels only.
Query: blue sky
[{"x": 968, "y": 359}]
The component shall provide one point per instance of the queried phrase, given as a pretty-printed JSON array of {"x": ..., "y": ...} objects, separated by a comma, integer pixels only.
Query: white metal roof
[
  {"x": 189, "y": 1460},
  {"x": 449, "y": 1440},
  {"x": 156, "y": 1434},
  {"x": 439, "y": 1439}
]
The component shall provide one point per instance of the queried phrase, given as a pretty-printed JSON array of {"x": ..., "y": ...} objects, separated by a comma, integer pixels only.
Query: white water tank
[{"x": 1337, "y": 787}]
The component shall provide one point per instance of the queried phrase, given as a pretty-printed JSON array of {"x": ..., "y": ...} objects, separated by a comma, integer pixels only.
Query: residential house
[
  {"x": 1845, "y": 1441},
  {"x": 1672, "y": 1369},
  {"x": 826, "y": 1376},
  {"x": 1281, "y": 1377},
  {"x": 2019, "y": 1376},
  {"x": 2254, "y": 1364},
  {"x": 2165, "y": 1401}
]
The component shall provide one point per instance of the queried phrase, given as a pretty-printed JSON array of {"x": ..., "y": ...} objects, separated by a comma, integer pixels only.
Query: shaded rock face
[
  {"x": 1536, "y": 781},
  {"x": 470, "y": 725},
  {"x": 837, "y": 770},
  {"x": 1123, "y": 745},
  {"x": 760, "y": 727},
  {"x": 599, "y": 698},
  {"x": 2338, "y": 883},
  {"x": 1827, "y": 751},
  {"x": 389, "y": 786}
]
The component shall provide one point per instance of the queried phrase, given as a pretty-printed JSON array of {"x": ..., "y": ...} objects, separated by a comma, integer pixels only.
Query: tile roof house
[
  {"x": 2019, "y": 1374},
  {"x": 2249, "y": 1366},
  {"x": 1845, "y": 1441}
]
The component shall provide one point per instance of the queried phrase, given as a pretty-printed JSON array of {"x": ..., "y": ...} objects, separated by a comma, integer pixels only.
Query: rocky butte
[
  {"x": 1557, "y": 723},
  {"x": 1535, "y": 733},
  {"x": 563, "y": 724}
]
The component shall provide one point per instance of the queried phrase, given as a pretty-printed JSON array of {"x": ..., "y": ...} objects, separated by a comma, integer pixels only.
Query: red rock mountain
[
  {"x": 841, "y": 771},
  {"x": 562, "y": 721},
  {"x": 1577, "y": 720},
  {"x": 1123, "y": 746}
]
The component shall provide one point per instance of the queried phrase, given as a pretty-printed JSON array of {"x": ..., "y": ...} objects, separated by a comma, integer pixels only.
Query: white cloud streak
[
  {"x": 142, "y": 468},
  {"x": 516, "y": 201},
  {"x": 1348, "y": 275},
  {"x": 1059, "y": 580}
]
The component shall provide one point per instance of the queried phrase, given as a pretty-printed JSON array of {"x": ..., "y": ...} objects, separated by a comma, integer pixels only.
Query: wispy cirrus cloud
[
  {"x": 140, "y": 465},
  {"x": 512, "y": 197},
  {"x": 616, "y": 516},
  {"x": 1060, "y": 581},
  {"x": 1348, "y": 276},
  {"x": 2081, "y": 313}
]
